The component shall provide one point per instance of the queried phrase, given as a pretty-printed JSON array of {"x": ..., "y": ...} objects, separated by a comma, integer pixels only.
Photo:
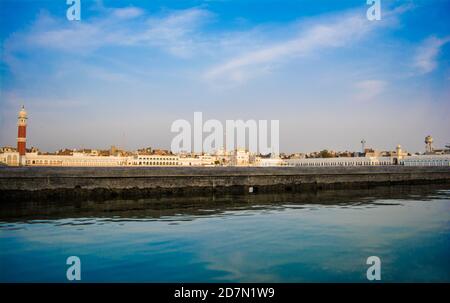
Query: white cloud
[
  {"x": 173, "y": 32},
  {"x": 425, "y": 60},
  {"x": 368, "y": 90},
  {"x": 176, "y": 32}
]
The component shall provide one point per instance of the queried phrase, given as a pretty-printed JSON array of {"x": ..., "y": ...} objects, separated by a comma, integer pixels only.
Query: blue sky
[{"x": 128, "y": 69}]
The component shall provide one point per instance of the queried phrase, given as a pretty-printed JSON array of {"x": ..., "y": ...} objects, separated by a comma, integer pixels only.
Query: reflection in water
[{"x": 311, "y": 236}]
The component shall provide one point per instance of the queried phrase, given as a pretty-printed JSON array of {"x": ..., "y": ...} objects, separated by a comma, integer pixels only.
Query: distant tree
[{"x": 325, "y": 154}]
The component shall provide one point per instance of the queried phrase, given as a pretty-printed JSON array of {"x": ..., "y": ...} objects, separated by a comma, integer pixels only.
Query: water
[{"x": 311, "y": 237}]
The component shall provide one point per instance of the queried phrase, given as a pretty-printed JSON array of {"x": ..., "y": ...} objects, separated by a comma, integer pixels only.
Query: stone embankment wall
[{"x": 80, "y": 182}]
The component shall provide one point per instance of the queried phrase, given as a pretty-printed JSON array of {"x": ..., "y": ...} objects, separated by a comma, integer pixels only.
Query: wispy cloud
[
  {"x": 323, "y": 33},
  {"x": 177, "y": 32},
  {"x": 427, "y": 53},
  {"x": 127, "y": 12},
  {"x": 174, "y": 32},
  {"x": 181, "y": 33},
  {"x": 368, "y": 90}
]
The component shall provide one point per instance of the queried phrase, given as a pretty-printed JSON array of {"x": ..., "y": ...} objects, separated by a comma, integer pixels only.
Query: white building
[
  {"x": 344, "y": 161},
  {"x": 80, "y": 159},
  {"x": 269, "y": 162},
  {"x": 240, "y": 157},
  {"x": 396, "y": 157},
  {"x": 199, "y": 160},
  {"x": 34, "y": 159},
  {"x": 426, "y": 160},
  {"x": 152, "y": 160},
  {"x": 10, "y": 158},
  {"x": 222, "y": 157},
  {"x": 190, "y": 161},
  {"x": 207, "y": 160}
]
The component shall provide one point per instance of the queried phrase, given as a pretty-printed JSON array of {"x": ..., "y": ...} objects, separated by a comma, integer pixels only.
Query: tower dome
[
  {"x": 23, "y": 113},
  {"x": 428, "y": 144}
]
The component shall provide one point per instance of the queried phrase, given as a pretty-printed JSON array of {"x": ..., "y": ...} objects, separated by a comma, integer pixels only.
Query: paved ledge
[{"x": 8, "y": 172}]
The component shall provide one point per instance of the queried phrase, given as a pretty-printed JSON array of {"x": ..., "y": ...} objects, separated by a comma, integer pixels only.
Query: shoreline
[{"x": 80, "y": 183}]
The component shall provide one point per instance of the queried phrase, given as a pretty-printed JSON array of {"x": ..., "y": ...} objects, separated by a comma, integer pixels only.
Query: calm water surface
[{"x": 316, "y": 237}]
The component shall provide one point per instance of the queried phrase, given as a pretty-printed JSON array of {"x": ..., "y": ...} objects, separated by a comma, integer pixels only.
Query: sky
[{"x": 128, "y": 69}]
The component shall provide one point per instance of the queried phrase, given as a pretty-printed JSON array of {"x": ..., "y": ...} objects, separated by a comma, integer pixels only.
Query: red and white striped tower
[{"x": 22, "y": 132}]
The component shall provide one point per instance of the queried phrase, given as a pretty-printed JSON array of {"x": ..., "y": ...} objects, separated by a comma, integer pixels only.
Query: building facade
[
  {"x": 35, "y": 159},
  {"x": 426, "y": 160},
  {"x": 10, "y": 158},
  {"x": 152, "y": 160}
]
